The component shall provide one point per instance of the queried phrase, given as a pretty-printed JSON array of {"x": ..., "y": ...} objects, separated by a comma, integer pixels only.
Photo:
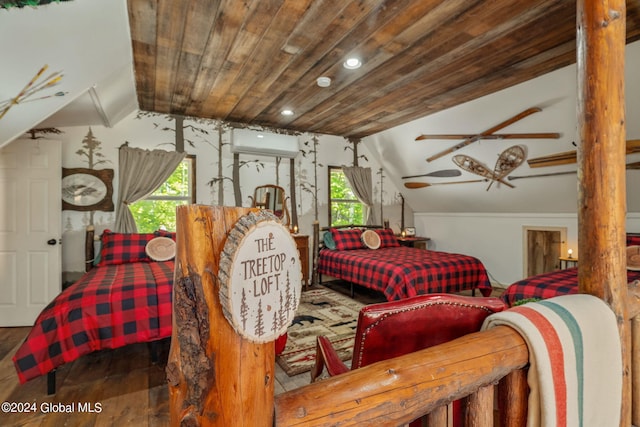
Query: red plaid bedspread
[
  {"x": 402, "y": 272},
  {"x": 549, "y": 285},
  {"x": 109, "y": 307}
]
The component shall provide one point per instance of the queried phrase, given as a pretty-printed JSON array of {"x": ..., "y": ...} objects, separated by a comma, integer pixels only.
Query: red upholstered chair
[{"x": 392, "y": 329}]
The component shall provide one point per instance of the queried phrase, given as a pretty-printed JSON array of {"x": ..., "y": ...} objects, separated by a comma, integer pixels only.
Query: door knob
[{"x": 51, "y": 242}]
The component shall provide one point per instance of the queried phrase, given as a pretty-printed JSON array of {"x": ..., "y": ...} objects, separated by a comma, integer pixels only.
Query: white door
[{"x": 30, "y": 229}]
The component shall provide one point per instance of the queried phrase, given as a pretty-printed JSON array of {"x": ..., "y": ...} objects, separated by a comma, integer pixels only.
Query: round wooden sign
[{"x": 260, "y": 277}]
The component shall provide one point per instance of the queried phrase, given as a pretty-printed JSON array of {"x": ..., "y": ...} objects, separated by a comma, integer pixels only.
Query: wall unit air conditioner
[{"x": 248, "y": 141}]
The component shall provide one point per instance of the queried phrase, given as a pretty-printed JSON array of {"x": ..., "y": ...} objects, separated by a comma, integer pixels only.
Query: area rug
[{"x": 321, "y": 312}]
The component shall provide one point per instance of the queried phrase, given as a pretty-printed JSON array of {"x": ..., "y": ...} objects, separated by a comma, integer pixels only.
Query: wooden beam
[
  {"x": 397, "y": 391},
  {"x": 216, "y": 377},
  {"x": 601, "y": 166},
  {"x": 569, "y": 157}
]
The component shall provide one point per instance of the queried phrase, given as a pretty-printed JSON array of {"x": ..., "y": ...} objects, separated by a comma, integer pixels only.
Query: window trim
[
  {"x": 331, "y": 168},
  {"x": 191, "y": 199},
  {"x": 176, "y": 200}
]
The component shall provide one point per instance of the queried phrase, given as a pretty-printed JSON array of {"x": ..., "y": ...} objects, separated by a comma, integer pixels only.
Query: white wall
[
  {"x": 497, "y": 239},
  {"x": 156, "y": 132},
  {"x": 556, "y": 94},
  {"x": 466, "y": 218}
]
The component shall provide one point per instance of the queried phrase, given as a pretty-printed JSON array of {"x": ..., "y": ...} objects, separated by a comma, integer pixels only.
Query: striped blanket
[{"x": 575, "y": 373}]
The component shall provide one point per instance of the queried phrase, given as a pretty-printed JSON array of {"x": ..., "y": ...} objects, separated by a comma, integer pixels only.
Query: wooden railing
[{"x": 397, "y": 391}]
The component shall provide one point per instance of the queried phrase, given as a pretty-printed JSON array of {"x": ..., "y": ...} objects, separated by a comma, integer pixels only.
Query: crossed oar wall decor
[
  {"x": 490, "y": 134},
  {"x": 508, "y": 160}
]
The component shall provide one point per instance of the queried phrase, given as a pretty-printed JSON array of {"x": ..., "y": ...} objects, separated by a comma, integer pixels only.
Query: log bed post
[
  {"x": 215, "y": 376},
  {"x": 600, "y": 38}
]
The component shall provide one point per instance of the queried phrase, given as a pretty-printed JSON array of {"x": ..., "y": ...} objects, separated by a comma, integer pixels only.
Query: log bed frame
[
  {"x": 318, "y": 244},
  {"x": 239, "y": 385}
]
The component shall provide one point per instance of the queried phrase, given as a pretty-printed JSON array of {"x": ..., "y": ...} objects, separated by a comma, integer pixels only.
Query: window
[
  {"x": 344, "y": 206},
  {"x": 158, "y": 211}
]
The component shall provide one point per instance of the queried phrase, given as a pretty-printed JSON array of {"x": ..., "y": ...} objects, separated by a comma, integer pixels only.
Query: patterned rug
[{"x": 321, "y": 312}]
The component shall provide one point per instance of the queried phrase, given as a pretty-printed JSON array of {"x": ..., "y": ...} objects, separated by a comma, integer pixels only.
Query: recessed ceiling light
[
  {"x": 286, "y": 113},
  {"x": 352, "y": 63},
  {"x": 324, "y": 81}
]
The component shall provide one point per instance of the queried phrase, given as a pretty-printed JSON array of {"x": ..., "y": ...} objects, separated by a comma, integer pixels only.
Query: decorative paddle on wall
[
  {"x": 511, "y": 178},
  {"x": 569, "y": 157},
  {"x": 630, "y": 166},
  {"x": 445, "y": 173},
  {"x": 490, "y": 134},
  {"x": 414, "y": 185}
]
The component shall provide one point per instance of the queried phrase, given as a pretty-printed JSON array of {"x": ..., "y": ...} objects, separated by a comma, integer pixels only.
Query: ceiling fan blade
[
  {"x": 445, "y": 173},
  {"x": 426, "y": 184},
  {"x": 535, "y": 135},
  {"x": 490, "y": 131}
]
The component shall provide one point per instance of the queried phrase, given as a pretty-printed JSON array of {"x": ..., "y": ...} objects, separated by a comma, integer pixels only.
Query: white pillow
[
  {"x": 161, "y": 248},
  {"x": 370, "y": 239},
  {"x": 633, "y": 258}
]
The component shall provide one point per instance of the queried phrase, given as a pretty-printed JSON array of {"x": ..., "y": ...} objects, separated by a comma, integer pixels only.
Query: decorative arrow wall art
[{"x": 31, "y": 89}]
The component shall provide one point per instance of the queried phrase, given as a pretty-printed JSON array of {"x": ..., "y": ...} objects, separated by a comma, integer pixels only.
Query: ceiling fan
[{"x": 490, "y": 134}]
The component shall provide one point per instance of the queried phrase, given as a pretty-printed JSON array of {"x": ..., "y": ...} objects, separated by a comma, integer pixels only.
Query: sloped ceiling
[
  {"x": 91, "y": 42},
  {"x": 246, "y": 61},
  {"x": 86, "y": 40},
  {"x": 556, "y": 96}
]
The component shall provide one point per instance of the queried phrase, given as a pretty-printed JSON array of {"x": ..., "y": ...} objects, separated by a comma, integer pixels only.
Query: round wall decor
[
  {"x": 87, "y": 189},
  {"x": 260, "y": 277}
]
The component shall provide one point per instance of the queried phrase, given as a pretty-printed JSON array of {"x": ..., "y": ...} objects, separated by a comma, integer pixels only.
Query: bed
[
  {"x": 124, "y": 299},
  {"x": 549, "y": 285},
  {"x": 397, "y": 271},
  {"x": 556, "y": 283}
]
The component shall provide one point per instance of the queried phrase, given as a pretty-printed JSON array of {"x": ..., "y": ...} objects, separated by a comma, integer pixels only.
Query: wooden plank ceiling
[{"x": 245, "y": 61}]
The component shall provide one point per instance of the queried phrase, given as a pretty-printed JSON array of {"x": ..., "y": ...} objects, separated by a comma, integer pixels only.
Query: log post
[
  {"x": 601, "y": 36},
  {"x": 315, "y": 276},
  {"x": 512, "y": 398},
  {"x": 216, "y": 377},
  {"x": 480, "y": 407},
  {"x": 89, "y": 248},
  {"x": 438, "y": 417}
]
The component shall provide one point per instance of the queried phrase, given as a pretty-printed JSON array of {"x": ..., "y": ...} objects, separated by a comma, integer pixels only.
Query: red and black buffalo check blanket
[
  {"x": 549, "y": 285},
  {"x": 109, "y": 307},
  {"x": 402, "y": 272}
]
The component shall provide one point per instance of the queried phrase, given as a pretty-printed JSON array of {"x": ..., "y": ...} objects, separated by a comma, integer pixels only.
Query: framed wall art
[{"x": 87, "y": 189}]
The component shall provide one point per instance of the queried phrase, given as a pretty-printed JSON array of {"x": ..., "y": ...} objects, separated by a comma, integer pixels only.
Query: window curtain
[
  {"x": 361, "y": 181},
  {"x": 140, "y": 173}
]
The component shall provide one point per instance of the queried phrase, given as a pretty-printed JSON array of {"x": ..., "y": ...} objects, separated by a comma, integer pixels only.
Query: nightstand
[
  {"x": 302, "y": 242},
  {"x": 567, "y": 262},
  {"x": 413, "y": 241}
]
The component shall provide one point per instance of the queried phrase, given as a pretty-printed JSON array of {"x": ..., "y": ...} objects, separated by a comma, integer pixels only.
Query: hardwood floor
[{"x": 122, "y": 386}]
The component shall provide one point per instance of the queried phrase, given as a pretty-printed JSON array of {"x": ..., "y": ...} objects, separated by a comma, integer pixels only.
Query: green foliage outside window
[
  {"x": 158, "y": 211},
  {"x": 345, "y": 208}
]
